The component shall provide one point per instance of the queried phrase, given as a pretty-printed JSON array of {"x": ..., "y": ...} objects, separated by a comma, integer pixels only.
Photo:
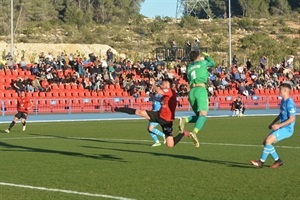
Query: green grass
[{"x": 114, "y": 158}]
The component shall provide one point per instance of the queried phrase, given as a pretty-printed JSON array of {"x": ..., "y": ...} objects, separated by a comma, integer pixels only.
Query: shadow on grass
[
  {"x": 11, "y": 147},
  {"x": 94, "y": 140},
  {"x": 177, "y": 156}
]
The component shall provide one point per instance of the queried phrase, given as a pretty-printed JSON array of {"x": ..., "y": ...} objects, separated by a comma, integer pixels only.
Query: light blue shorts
[
  {"x": 282, "y": 133},
  {"x": 153, "y": 124}
]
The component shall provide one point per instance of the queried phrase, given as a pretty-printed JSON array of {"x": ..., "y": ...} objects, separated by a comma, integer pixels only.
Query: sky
[{"x": 164, "y": 8}]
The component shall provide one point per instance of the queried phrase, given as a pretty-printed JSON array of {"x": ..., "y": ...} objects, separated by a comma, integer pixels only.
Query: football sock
[
  {"x": 191, "y": 119},
  {"x": 267, "y": 150},
  {"x": 199, "y": 123},
  {"x": 129, "y": 111},
  {"x": 274, "y": 153},
  {"x": 177, "y": 138},
  {"x": 11, "y": 125},
  {"x": 157, "y": 132},
  {"x": 24, "y": 124},
  {"x": 154, "y": 137}
]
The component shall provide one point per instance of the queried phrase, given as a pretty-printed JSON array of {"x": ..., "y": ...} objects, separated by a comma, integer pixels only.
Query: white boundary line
[
  {"x": 132, "y": 118},
  {"x": 131, "y": 140},
  {"x": 64, "y": 191}
]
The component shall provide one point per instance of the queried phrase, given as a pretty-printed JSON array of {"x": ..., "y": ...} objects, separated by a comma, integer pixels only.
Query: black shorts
[
  {"x": 22, "y": 115},
  {"x": 167, "y": 126}
]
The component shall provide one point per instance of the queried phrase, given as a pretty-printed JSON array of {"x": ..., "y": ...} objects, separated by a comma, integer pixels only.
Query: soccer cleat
[
  {"x": 156, "y": 144},
  {"x": 7, "y": 130},
  {"x": 195, "y": 139},
  {"x": 24, "y": 128},
  {"x": 257, "y": 163},
  {"x": 277, "y": 163},
  {"x": 181, "y": 123}
]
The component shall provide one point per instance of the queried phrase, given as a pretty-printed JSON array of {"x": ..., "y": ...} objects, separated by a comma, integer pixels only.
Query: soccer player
[
  {"x": 23, "y": 105},
  {"x": 282, "y": 130},
  {"x": 165, "y": 116},
  {"x": 154, "y": 132},
  {"x": 198, "y": 97}
]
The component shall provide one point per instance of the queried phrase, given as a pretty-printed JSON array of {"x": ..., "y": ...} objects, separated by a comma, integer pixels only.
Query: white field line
[
  {"x": 131, "y": 118},
  {"x": 131, "y": 140},
  {"x": 64, "y": 191}
]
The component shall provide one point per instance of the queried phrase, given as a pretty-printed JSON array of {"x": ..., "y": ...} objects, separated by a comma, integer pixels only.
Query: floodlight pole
[
  {"x": 229, "y": 27},
  {"x": 12, "y": 28}
]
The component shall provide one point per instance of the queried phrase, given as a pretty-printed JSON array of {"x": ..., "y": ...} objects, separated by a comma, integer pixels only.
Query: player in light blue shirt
[
  {"x": 154, "y": 132},
  {"x": 282, "y": 130}
]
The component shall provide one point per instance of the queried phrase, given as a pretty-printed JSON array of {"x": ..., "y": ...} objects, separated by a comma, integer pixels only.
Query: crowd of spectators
[
  {"x": 248, "y": 78},
  {"x": 94, "y": 73}
]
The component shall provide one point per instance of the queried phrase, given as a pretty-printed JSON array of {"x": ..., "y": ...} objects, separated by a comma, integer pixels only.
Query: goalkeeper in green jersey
[{"x": 197, "y": 74}]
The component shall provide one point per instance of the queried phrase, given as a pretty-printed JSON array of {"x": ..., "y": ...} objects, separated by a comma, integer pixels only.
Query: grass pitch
[{"x": 115, "y": 158}]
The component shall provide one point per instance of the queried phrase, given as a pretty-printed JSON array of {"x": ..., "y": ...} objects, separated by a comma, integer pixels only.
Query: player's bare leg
[{"x": 172, "y": 141}]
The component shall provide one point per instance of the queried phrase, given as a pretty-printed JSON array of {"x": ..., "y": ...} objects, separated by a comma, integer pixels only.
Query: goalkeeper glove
[{"x": 205, "y": 54}]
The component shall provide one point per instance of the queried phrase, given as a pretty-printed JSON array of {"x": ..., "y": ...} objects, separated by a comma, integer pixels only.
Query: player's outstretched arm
[
  {"x": 210, "y": 61},
  {"x": 158, "y": 90}
]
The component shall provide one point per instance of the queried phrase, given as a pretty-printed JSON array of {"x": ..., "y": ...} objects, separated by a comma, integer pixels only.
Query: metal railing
[
  {"x": 102, "y": 105},
  {"x": 174, "y": 53}
]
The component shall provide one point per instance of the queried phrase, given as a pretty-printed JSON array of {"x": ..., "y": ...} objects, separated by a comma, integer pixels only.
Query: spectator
[
  {"x": 23, "y": 64},
  {"x": 109, "y": 55},
  {"x": 188, "y": 47},
  {"x": 290, "y": 62},
  {"x": 242, "y": 89},
  {"x": 234, "y": 60},
  {"x": 27, "y": 83},
  {"x": 36, "y": 85},
  {"x": 249, "y": 64},
  {"x": 263, "y": 62},
  {"x": 18, "y": 85}
]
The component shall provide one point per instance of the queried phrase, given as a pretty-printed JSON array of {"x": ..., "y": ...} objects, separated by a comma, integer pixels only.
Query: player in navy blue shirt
[
  {"x": 154, "y": 132},
  {"x": 282, "y": 130}
]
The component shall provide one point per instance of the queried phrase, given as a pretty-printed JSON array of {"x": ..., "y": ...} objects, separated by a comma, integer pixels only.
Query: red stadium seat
[
  {"x": 94, "y": 94},
  {"x": 48, "y": 94},
  {"x": 68, "y": 94},
  {"x": 55, "y": 94},
  {"x": 54, "y": 87},
  {"x": 42, "y": 94},
  {"x": 100, "y": 94},
  {"x": 35, "y": 94},
  {"x": 61, "y": 87},
  {"x": 68, "y": 87},
  {"x": 74, "y": 87}
]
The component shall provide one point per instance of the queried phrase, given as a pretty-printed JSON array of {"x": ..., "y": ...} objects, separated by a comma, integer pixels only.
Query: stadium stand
[{"x": 93, "y": 84}]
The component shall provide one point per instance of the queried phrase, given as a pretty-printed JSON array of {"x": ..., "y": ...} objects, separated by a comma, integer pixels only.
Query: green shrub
[
  {"x": 247, "y": 24},
  {"x": 188, "y": 22}
]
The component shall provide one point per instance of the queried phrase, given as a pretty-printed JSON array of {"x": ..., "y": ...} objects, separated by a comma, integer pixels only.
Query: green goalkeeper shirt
[{"x": 197, "y": 71}]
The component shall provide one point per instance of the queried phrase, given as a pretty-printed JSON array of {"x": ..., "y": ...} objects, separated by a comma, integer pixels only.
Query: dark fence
[{"x": 174, "y": 53}]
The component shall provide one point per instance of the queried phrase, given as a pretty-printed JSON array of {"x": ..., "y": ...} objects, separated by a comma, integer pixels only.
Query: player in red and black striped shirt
[
  {"x": 23, "y": 105},
  {"x": 165, "y": 116}
]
